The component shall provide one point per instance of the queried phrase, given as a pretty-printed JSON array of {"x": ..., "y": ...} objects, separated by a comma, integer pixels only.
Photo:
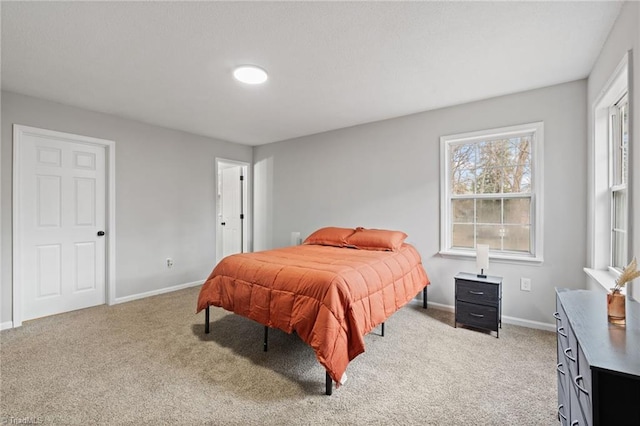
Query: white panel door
[
  {"x": 63, "y": 211},
  {"x": 230, "y": 209}
]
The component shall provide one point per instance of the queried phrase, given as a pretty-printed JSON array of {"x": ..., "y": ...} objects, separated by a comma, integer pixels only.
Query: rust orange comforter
[{"x": 330, "y": 296}]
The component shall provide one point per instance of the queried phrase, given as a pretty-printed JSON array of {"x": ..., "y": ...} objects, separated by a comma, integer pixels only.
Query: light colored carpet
[{"x": 149, "y": 362}]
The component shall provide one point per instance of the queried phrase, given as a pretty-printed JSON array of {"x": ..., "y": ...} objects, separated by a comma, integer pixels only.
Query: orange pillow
[
  {"x": 330, "y": 236},
  {"x": 376, "y": 239}
]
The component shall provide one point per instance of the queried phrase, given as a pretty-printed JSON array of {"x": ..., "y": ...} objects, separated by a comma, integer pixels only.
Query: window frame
[{"x": 446, "y": 220}]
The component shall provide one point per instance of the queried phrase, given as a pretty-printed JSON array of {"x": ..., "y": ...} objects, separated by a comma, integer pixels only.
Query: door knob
[{"x": 100, "y": 233}]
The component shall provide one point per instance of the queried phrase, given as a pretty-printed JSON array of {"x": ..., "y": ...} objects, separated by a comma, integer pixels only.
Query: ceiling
[{"x": 330, "y": 64}]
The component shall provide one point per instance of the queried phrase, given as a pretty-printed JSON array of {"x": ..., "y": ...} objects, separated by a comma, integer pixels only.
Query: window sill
[
  {"x": 498, "y": 258},
  {"x": 606, "y": 279}
]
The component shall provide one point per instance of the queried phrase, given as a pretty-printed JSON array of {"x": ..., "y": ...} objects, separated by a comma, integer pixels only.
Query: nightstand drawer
[
  {"x": 477, "y": 315},
  {"x": 477, "y": 292}
]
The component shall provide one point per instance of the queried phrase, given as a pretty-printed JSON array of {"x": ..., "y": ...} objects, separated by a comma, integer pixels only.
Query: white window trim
[
  {"x": 599, "y": 266},
  {"x": 536, "y": 192}
]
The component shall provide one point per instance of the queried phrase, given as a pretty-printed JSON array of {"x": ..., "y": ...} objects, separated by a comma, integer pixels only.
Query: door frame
[
  {"x": 248, "y": 217},
  {"x": 110, "y": 218}
]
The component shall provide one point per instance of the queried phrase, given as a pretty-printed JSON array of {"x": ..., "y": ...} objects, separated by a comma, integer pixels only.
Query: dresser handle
[
  {"x": 556, "y": 315},
  {"x": 567, "y": 355},
  {"x": 560, "y": 407},
  {"x": 477, "y": 293},
  {"x": 561, "y": 332},
  {"x": 476, "y": 315},
  {"x": 558, "y": 368},
  {"x": 578, "y": 379}
]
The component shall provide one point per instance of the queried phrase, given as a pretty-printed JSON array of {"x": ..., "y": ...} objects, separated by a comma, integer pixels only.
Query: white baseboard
[
  {"x": 6, "y": 325},
  {"x": 506, "y": 319},
  {"x": 156, "y": 292},
  {"x": 440, "y": 306},
  {"x": 528, "y": 323}
]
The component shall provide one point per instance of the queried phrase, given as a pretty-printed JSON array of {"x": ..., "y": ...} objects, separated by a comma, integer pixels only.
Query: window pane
[
  {"x": 490, "y": 234},
  {"x": 463, "y": 163},
  {"x": 517, "y": 238},
  {"x": 620, "y": 209},
  {"x": 520, "y": 150},
  {"x": 624, "y": 159},
  {"x": 517, "y": 210},
  {"x": 489, "y": 211},
  {"x": 463, "y": 236},
  {"x": 462, "y": 211},
  {"x": 619, "y": 249},
  {"x": 463, "y": 181},
  {"x": 489, "y": 180},
  {"x": 517, "y": 179},
  {"x": 619, "y": 234},
  {"x": 620, "y": 141}
]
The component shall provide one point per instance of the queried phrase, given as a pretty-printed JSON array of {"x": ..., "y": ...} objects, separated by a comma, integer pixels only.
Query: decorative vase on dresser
[{"x": 598, "y": 362}]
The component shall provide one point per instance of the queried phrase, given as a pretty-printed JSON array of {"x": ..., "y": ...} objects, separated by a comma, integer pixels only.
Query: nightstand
[{"x": 478, "y": 301}]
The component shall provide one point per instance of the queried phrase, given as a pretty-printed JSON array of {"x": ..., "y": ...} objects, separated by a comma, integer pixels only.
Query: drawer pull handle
[
  {"x": 575, "y": 423},
  {"x": 477, "y": 293},
  {"x": 558, "y": 368},
  {"x": 476, "y": 315},
  {"x": 566, "y": 353},
  {"x": 561, "y": 332},
  {"x": 560, "y": 408},
  {"x": 579, "y": 378},
  {"x": 556, "y": 315}
]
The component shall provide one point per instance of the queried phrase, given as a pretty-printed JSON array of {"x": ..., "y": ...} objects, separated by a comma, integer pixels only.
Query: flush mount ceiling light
[{"x": 250, "y": 74}]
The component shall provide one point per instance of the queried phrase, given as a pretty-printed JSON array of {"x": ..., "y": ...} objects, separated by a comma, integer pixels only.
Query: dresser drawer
[
  {"x": 563, "y": 414},
  {"x": 563, "y": 382},
  {"x": 563, "y": 342},
  {"x": 576, "y": 416},
  {"x": 477, "y": 292},
  {"x": 477, "y": 315},
  {"x": 583, "y": 384}
]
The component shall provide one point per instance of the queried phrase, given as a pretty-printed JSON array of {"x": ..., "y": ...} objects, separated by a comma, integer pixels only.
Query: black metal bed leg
[
  {"x": 328, "y": 384},
  {"x": 382, "y": 334},
  {"x": 266, "y": 336},
  {"x": 206, "y": 320},
  {"x": 424, "y": 297}
]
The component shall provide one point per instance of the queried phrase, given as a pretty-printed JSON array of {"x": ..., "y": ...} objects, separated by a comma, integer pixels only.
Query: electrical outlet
[
  {"x": 525, "y": 284},
  {"x": 169, "y": 262}
]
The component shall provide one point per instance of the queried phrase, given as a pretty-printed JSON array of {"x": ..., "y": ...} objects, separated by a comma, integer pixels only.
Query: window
[
  {"x": 491, "y": 192},
  {"x": 619, "y": 150},
  {"x": 609, "y": 186}
]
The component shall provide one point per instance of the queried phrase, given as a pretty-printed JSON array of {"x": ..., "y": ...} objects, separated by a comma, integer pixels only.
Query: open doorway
[{"x": 231, "y": 208}]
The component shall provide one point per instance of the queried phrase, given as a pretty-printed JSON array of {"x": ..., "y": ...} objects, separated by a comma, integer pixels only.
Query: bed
[{"x": 332, "y": 290}]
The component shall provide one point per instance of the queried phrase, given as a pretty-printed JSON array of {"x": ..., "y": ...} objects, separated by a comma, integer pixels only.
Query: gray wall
[
  {"x": 387, "y": 175},
  {"x": 165, "y": 194},
  {"x": 624, "y": 36}
]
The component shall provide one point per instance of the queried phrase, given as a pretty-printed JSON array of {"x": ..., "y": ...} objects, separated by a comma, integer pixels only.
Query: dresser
[
  {"x": 478, "y": 301},
  {"x": 598, "y": 363}
]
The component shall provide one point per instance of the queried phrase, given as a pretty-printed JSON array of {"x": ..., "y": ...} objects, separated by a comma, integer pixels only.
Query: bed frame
[{"x": 265, "y": 345}]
